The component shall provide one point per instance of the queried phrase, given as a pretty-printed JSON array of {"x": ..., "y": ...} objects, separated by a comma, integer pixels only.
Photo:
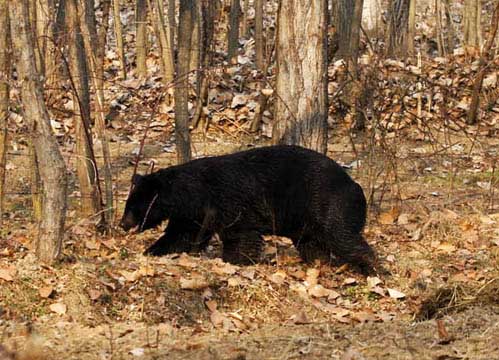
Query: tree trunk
[
  {"x": 259, "y": 39},
  {"x": 51, "y": 163},
  {"x": 118, "y": 31},
  {"x": 301, "y": 110},
  {"x": 345, "y": 14},
  {"x": 141, "y": 37},
  {"x": 411, "y": 27},
  {"x": 85, "y": 162},
  {"x": 245, "y": 27},
  {"x": 164, "y": 41},
  {"x": 4, "y": 94},
  {"x": 398, "y": 29},
  {"x": 233, "y": 33},
  {"x": 172, "y": 25},
  {"x": 472, "y": 16},
  {"x": 182, "y": 134},
  {"x": 95, "y": 44},
  {"x": 372, "y": 18},
  {"x": 484, "y": 59},
  {"x": 195, "y": 56},
  {"x": 44, "y": 11},
  {"x": 451, "y": 34}
]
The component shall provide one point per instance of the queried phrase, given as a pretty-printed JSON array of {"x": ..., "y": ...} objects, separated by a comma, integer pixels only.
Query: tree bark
[
  {"x": 486, "y": 57},
  {"x": 95, "y": 44},
  {"x": 85, "y": 162},
  {"x": 233, "y": 33},
  {"x": 182, "y": 134},
  {"x": 195, "y": 57},
  {"x": 398, "y": 29},
  {"x": 118, "y": 31},
  {"x": 4, "y": 94},
  {"x": 301, "y": 110},
  {"x": 141, "y": 37},
  {"x": 259, "y": 39},
  {"x": 472, "y": 17},
  {"x": 411, "y": 27},
  {"x": 51, "y": 163},
  {"x": 164, "y": 41}
]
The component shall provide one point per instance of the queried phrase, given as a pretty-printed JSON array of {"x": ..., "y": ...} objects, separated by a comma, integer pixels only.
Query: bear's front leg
[
  {"x": 180, "y": 236},
  {"x": 242, "y": 247}
]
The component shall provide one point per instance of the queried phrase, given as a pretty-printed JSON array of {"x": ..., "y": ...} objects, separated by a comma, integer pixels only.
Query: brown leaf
[
  {"x": 389, "y": 217},
  {"x": 278, "y": 277},
  {"x": 225, "y": 269},
  {"x": 217, "y": 318},
  {"x": 318, "y": 291},
  {"x": 364, "y": 316},
  {"x": 94, "y": 294},
  {"x": 194, "y": 283},
  {"x": 92, "y": 245},
  {"x": 211, "y": 305},
  {"x": 301, "y": 318},
  {"x": 59, "y": 308},
  {"x": 187, "y": 261},
  {"x": 248, "y": 274},
  {"x": 312, "y": 276},
  {"x": 45, "y": 291},
  {"x": 349, "y": 281},
  {"x": 8, "y": 273},
  {"x": 395, "y": 294}
]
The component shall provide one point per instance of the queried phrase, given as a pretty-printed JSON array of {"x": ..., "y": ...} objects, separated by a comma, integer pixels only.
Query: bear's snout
[{"x": 128, "y": 221}]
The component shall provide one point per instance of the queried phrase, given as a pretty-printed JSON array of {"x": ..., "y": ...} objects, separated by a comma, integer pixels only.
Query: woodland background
[{"x": 403, "y": 93}]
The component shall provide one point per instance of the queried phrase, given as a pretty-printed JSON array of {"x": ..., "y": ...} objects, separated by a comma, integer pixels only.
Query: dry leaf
[
  {"x": 446, "y": 247},
  {"x": 364, "y": 316},
  {"x": 186, "y": 261},
  {"x": 46, "y": 291},
  {"x": 92, "y": 245},
  {"x": 300, "y": 318},
  {"x": 389, "y": 217},
  {"x": 372, "y": 281},
  {"x": 59, "y": 308},
  {"x": 395, "y": 294},
  {"x": 8, "y": 273},
  {"x": 94, "y": 294},
  {"x": 129, "y": 275},
  {"x": 278, "y": 277},
  {"x": 248, "y": 274},
  {"x": 312, "y": 276},
  {"x": 349, "y": 281},
  {"x": 318, "y": 291},
  {"x": 194, "y": 283},
  {"x": 226, "y": 269},
  {"x": 217, "y": 318},
  {"x": 234, "y": 281}
]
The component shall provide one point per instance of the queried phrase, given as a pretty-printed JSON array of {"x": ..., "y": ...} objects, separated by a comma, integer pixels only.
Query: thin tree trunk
[
  {"x": 411, "y": 27},
  {"x": 172, "y": 25},
  {"x": 472, "y": 16},
  {"x": 43, "y": 25},
  {"x": 4, "y": 95},
  {"x": 118, "y": 31},
  {"x": 438, "y": 30},
  {"x": 259, "y": 39},
  {"x": 164, "y": 38},
  {"x": 233, "y": 33},
  {"x": 245, "y": 27},
  {"x": 397, "y": 33},
  {"x": 141, "y": 37},
  {"x": 196, "y": 42},
  {"x": 85, "y": 162},
  {"x": 182, "y": 134},
  {"x": 451, "y": 34},
  {"x": 301, "y": 110},
  {"x": 484, "y": 59},
  {"x": 51, "y": 164},
  {"x": 95, "y": 44}
]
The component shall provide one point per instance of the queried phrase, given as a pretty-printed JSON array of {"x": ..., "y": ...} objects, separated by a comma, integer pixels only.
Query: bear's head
[{"x": 143, "y": 207}]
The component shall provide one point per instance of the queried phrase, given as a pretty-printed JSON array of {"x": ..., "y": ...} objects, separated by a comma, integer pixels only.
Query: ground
[{"x": 433, "y": 221}]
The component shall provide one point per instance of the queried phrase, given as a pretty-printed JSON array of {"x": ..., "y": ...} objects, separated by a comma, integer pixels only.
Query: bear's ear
[{"x": 137, "y": 179}]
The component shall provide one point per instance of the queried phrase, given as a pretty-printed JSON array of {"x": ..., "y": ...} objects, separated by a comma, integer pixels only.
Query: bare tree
[
  {"x": 259, "y": 39},
  {"x": 398, "y": 29},
  {"x": 95, "y": 44},
  {"x": 301, "y": 109},
  {"x": 182, "y": 134},
  {"x": 4, "y": 93},
  {"x": 472, "y": 11},
  {"x": 52, "y": 167},
  {"x": 233, "y": 33},
  {"x": 484, "y": 59},
  {"x": 118, "y": 30},
  {"x": 86, "y": 165},
  {"x": 163, "y": 34},
  {"x": 141, "y": 36}
]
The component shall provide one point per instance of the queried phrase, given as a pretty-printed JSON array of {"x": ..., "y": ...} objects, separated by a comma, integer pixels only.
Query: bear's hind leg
[{"x": 243, "y": 248}]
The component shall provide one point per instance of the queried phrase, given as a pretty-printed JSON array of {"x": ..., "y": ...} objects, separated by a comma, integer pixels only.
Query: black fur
[{"x": 283, "y": 190}]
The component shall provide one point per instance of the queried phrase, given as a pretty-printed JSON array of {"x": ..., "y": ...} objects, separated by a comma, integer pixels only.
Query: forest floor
[{"x": 433, "y": 220}]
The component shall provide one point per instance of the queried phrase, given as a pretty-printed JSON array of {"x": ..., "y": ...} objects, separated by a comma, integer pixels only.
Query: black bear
[{"x": 282, "y": 190}]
